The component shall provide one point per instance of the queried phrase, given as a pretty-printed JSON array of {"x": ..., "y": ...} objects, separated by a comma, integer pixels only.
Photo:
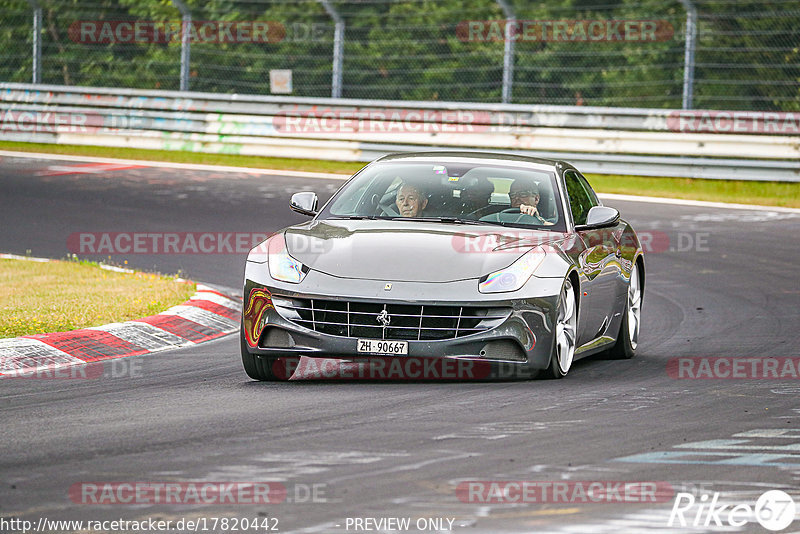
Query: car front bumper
[{"x": 522, "y": 342}]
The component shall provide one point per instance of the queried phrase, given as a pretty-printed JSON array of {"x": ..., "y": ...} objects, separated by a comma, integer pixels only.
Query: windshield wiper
[
  {"x": 356, "y": 217},
  {"x": 443, "y": 219},
  {"x": 449, "y": 220},
  {"x": 457, "y": 220}
]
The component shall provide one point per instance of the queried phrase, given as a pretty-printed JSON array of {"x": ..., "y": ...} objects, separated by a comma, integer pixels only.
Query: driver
[
  {"x": 524, "y": 194},
  {"x": 410, "y": 200}
]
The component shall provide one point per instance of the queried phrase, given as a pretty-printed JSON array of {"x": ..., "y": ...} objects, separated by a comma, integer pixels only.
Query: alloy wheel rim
[
  {"x": 565, "y": 328},
  {"x": 634, "y": 307}
]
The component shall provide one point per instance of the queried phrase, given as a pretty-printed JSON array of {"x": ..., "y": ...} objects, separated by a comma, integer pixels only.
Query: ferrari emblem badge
[{"x": 384, "y": 318}]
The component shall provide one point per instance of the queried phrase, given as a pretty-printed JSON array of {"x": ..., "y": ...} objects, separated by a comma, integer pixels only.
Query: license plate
[{"x": 381, "y": 346}]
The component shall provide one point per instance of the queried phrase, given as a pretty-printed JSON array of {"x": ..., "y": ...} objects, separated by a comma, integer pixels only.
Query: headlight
[
  {"x": 282, "y": 266},
  {"x": 514, "y": 276}
]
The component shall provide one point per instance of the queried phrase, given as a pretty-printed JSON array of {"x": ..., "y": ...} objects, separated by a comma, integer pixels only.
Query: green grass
[
  {"x": 38, "y": 298},
  {"x": 735, "y": 191}
]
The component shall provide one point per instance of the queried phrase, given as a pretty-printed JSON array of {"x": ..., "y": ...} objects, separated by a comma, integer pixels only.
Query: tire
[
  {"x": 565, "y": 333},
  {"x": 628, "y": 337},
  {"x": 258, "y": 368}
]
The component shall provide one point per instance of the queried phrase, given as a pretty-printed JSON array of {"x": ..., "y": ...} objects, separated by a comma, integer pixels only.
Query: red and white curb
[{"x": 207, "y": 315}]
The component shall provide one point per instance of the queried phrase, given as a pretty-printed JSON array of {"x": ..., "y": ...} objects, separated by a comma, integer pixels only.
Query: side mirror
[
  {"x": 599, "y": 217},
  {"x": 305, "y": 203}
]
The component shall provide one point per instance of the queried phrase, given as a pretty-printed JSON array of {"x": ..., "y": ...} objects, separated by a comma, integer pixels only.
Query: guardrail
[{"x": 650, "y": 142}]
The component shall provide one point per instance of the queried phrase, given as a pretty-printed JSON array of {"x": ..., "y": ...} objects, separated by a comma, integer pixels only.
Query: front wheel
[
  {"x": 628, "y": 337},
  {"x": 565, "y": 333}
]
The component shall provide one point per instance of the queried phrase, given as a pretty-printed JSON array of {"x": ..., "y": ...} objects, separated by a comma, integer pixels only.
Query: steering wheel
[
  {"x": 516, "y": 211},
  {"x": 476, "y": 213}
]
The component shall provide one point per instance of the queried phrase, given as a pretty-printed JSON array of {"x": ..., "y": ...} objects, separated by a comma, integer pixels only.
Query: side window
[
  {"x": 581, "y": 196},
  {"x": 592, "y": 194}
]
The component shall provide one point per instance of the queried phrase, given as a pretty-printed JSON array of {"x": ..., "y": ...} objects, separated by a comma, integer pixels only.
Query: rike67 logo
[{"x": 774, "y": 510}]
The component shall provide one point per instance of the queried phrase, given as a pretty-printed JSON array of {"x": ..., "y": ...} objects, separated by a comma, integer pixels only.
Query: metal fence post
[
  {"x": 688, "y": 60},
  {"x": 186, "y": 23},
  {"x": 37, "y": 41},
  {"x": 508, "y": 50},
  {"x": 338, "y": 49}
]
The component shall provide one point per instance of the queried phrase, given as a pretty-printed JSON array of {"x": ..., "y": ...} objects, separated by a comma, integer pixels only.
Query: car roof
[{"x": 479, "y": 157}]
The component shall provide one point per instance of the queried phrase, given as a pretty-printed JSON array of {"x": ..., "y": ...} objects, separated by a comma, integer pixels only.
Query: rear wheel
[
  {"x": 628, "y": 337},
  {"x": 565, "y": 333},
  {"x": 258, "y": 368}
]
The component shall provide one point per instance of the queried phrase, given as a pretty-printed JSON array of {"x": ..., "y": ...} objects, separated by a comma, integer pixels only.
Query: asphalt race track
[{"x": 720, "y": 283}]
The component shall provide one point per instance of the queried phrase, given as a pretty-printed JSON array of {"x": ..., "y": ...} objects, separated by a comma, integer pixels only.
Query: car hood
[{"x": 417, "y": 251}]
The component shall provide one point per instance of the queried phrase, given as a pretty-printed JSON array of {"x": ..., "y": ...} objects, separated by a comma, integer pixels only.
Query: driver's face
[
  {"x": 409, "y": 201},
  {"x": 522, "y": 195}
]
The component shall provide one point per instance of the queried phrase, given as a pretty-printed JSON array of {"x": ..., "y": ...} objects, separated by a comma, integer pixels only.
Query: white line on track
[
  {"x": 698, "y": 203},
  {"x": 23, "y": 258},
  {"x": 171, "y": 165}
]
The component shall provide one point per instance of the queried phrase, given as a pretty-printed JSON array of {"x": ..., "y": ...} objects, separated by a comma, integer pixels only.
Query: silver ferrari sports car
[{"x": 445, "y": 265}]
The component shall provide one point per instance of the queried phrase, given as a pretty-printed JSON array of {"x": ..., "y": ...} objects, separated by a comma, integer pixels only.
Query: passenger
[
  {"x": 410, "y": 200},
  {"x": 524, "y": 194}
]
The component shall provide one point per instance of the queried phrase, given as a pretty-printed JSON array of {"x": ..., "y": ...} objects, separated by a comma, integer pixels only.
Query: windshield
[{"x": 451, "y": 192}]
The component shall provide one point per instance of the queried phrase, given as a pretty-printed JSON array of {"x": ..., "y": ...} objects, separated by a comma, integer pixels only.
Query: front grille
[{"x": 406, "y": 321}]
